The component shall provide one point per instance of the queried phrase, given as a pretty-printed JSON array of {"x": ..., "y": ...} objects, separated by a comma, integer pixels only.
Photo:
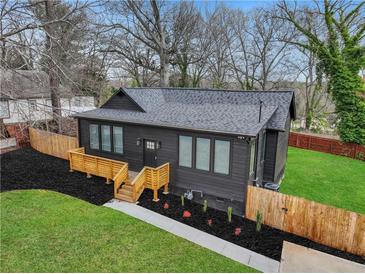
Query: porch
[{"x": 128, "y": 185}]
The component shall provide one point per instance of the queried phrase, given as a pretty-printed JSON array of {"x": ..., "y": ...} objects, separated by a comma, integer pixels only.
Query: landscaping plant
[
  {"x": 237, "y": 231},
  {"x": 182, "y": 200},
  {"x": 205, "y": 206},
  {"x": 259, "y": 219},
  {"x": 166, "y": 206},
  {"x": 229, "y": 212},
  {"x": 186, "y": 214},
  {"x": 210, "y": 222}
]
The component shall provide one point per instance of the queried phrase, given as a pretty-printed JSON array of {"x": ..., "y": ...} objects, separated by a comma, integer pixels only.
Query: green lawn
[
  {"x": 329, "y": 179},
  {"x": 44, "y": 231}
]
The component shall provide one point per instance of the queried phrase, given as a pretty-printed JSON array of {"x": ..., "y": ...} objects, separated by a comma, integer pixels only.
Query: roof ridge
[{"x": 211, "y": 89}]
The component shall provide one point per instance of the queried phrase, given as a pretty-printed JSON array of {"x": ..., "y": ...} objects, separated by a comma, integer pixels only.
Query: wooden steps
[
  {"x": 125, "y": 192},
  {"x": 130, "y": 187}
]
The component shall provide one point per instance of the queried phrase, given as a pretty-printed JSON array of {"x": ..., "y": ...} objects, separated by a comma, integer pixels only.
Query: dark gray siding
[
  {"x": 282, "y": 151},
  {"x": 270, "y": 156},
  {"x": 230, "y": 189},
  {"x": 259, "y": 164},
  {"x": 120, "y": 101}
]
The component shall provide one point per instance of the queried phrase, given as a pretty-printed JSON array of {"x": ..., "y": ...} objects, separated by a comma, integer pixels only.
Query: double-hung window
[
  {"x": 4, "y": 109},
  {"x": 94, "y": 136},
  {"x": 105, "y": 138},
  {"x": 222, "y": 156},
  {"x": 32, "y": 105},
  {"x": 202, "y": 160},
  {"x": 118, "y": 139},
  {"x": 185, "y": 151}
]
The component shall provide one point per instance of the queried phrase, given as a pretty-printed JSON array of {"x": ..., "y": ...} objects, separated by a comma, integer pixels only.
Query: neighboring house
[
  {"x": 25, "y": 96},
  {"x": 217, "y": 141}
]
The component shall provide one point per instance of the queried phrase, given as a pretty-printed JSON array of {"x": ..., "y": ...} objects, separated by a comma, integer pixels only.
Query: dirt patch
[
  {"x": 268, "y": 242},
  {"x": 28, "y": 169}
]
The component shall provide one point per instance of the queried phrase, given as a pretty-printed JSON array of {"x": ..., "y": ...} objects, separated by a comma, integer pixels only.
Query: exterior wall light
[
  {"x": 158, "y": 145},
  {"x": 138, "y": 142}
]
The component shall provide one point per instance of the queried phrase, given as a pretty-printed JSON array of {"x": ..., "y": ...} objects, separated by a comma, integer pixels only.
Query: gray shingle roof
[
  {"x": 223, "y": 111},
  {"x": 26, "y": 84}
]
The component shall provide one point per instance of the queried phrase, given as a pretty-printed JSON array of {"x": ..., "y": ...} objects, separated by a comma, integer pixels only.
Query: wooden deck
[{"x": 128, "y": 185}]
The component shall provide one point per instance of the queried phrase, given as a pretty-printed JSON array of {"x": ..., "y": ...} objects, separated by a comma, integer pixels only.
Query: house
[
  {"x": 216, "y": 141},
  {"x": 25, "y": 96}
]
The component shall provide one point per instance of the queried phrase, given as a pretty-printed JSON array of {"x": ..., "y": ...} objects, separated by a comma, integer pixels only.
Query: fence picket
[{"x": 335, "y": 227}]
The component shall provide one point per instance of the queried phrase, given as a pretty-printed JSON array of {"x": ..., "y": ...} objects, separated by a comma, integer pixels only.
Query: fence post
[{"x": 70, "y": 159}]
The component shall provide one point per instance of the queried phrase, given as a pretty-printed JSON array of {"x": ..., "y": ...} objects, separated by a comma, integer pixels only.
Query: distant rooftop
[
  {"x": 223, "y": 111},
  {"x": 27, "y": 84}
]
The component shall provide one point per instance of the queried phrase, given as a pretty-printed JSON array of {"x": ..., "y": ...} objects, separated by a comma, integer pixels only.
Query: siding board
[
  {"x": 270, "y": 156},
  {"x": 232, "y": 187},
  {"x": 282, "y": 151},
  {"x": 120, "y": 101}
]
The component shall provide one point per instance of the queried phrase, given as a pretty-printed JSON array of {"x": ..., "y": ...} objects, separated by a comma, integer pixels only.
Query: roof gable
[{"x": 121, "y": 100}]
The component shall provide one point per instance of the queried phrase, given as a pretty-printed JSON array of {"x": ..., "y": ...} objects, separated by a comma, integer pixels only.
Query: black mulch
[
  {"x": 268, "y": 241},
  {"x": 28, "y": 169}
]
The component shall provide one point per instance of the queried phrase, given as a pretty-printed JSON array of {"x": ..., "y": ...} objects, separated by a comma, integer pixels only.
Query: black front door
[{"x": 149, "y": 153}]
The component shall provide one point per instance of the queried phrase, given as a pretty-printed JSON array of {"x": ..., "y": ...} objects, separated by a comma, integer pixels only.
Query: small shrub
[
  {"x": 186, "y": 214},
  {"x": 182, "y": 200},
  {"x": 237, "y": 231},
  {"x": 259, "y": 219},
  {"x": 210, "y": 222},
  {"x": 229, "y": 213},
  {"x": 166, "y": 206},
  {"x": 359, "y": 156},
  {"x": 205, "y": 206}
]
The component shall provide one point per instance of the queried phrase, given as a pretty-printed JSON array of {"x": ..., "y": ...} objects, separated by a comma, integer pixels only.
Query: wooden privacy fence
[
  {"x": 327, "y": 145},
  {"x": 98, "y": 166},
  {"x": 52, "y": 143},
  {"x": 334, "y": 227}
]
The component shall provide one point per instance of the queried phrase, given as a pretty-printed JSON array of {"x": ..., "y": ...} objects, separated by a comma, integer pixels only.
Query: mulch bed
[
  {"x": 268, "y": 241},
  {"x": 28, "y": 169}
]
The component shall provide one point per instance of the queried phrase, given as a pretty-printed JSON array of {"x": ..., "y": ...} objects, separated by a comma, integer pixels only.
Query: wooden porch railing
[
  {"x": 152, "y": 178},
  {"x": 119, "y": 178},
  {"x": 98, "y": 166}
]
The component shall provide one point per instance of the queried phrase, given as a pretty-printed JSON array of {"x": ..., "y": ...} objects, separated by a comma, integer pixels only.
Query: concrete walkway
[
  {"x": 296, "y": 258},
  {"x": 225, "y": 248}
]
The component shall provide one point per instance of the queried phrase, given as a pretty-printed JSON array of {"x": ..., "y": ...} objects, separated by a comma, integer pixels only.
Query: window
[
  {"x": 150, "y": 145},
  {"x": 202, "y": 153},
  {"x": 221, "y": 156},
  {"x": 185, "y": 151},
  {"x": 105, "y": 138},
  {"x": 263, "y": 147},
  {"x": 4, "y": 109},
  {"x": 252, "y": 157},
  {"x": 32, "y": 105},
  {"x": 94, "y": 136},
  {"x": 77, "y": 102},
  {"x": 118, "y": 139}
]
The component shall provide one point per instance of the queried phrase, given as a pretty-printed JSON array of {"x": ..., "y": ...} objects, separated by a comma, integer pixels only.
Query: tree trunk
[
  {"x": 53, "y": 73},
  {"x": 164, "y": 70}
]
